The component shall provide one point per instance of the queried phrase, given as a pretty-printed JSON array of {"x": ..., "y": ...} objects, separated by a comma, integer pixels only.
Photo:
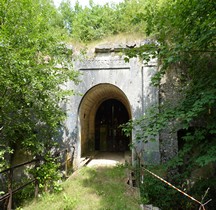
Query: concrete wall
[
  {"x": 105, "y": 75},
  {"x": 169, "y": 95}
]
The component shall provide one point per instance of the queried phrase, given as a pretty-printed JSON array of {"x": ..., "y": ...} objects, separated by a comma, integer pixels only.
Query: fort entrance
[
  {"x": 103, "y": 109},
  {"x": 112, "y": 92}
]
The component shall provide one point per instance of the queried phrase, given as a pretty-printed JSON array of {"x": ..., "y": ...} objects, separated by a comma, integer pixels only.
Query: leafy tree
[
  {"x": 96, "y": 22},
  {"x": 182, "y": 36},
  {"x": 34, "y": 64},
  {"x": 89, "y": 23}
]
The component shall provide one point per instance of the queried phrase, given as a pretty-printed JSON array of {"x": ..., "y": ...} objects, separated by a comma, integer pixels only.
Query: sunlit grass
[
  {"x": 100, "y": 188},
  {"x": 117, "y": 39}
]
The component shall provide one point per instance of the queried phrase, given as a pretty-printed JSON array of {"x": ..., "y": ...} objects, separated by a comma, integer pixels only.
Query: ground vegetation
[
  {"x": 99, "y": 187},
  {"x": 181, "y": 35}
]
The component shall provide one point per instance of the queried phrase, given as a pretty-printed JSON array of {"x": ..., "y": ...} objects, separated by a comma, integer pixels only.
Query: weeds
[{"x": 92, "y": 188}]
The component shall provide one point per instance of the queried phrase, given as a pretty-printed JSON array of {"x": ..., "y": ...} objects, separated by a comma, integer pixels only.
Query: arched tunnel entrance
[{"x": 102, "y": 109}]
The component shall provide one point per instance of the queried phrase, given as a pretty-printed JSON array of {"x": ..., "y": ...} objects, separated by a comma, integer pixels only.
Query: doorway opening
[
  {"x": 109, "y": 137},
  {"x": 102, "y": 109}
]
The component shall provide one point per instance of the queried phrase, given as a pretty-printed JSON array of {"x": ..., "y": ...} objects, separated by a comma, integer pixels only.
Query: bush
[{"x": 153, "y": 191}]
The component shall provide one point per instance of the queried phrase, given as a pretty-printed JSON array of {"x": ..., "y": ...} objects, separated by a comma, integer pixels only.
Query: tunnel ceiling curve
[{"x": 100, "y": 93}]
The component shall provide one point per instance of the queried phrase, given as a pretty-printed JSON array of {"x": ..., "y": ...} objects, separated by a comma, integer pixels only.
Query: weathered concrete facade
[
  {"x": 170, "y": 94},
  {"x": 106, "y": 76}
]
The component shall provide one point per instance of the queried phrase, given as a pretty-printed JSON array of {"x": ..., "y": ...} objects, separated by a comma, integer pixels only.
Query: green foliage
[
  {"x": 3, "y": 152},
  {"x": 85, "y": 24},
  {"x": 154, "y": 191},
  {"x": 149, "y": 125},
  {"x": 35, "y": 63},
  {"x": 25, "y": 194},
  {"x": 96, "y": 22},
  {"x": 69, "y": 202},
  {"x": 182, "y": 37},
  {"x": 205, "y": 187},
  {"x": 48, "y": 178},
  {"x": 31, "y": 47},
  {"x": 48, "y": 174}
]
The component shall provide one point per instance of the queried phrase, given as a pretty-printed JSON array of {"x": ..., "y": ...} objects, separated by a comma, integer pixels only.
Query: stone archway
[{"x": 99, "y": 96}]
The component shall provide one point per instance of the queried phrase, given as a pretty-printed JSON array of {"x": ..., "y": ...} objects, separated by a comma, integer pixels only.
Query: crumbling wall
[{"x": 169, "y": 96}]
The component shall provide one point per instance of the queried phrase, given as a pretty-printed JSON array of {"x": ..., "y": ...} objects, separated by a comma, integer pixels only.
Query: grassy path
[{"x": 102, "y": 188}]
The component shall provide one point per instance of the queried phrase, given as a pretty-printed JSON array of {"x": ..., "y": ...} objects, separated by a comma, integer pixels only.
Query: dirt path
[{"x": 107, "y": 159}]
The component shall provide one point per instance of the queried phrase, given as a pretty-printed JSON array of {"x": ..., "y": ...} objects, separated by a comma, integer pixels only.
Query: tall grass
[{"x": 102, "y": 188}]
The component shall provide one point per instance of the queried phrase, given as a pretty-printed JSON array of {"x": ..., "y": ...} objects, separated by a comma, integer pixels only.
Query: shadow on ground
[{"x": 109, "y": 185}]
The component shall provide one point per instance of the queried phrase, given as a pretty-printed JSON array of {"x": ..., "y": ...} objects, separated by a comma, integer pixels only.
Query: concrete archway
[{"x": 88, "y": 109}]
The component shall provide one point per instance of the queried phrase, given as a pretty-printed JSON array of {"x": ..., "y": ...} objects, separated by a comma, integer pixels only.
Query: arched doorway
[
  {"x": 103, "y": 102},
  {"x": 108, "y": 135}
]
